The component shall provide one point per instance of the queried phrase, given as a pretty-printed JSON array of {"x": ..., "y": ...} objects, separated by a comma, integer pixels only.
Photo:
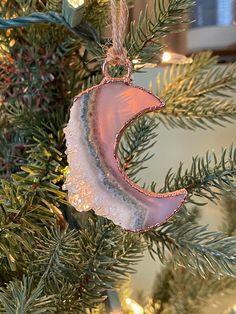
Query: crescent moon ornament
[{"x": 98, "y": 118}]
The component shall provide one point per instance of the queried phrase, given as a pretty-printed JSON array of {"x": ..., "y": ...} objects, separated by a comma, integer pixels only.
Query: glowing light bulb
[
  {"x": 136, "y": 61},
  {"x": 72, "y": 11},
  {"x": 166, "y": 57},
  {"x": 134, "y": 306},
  {"x": 137, "y": 308},
  {"x": 76, "y": 3},
  {"x": 175, "y": 58},
  {"x": 128, "y": 301}
]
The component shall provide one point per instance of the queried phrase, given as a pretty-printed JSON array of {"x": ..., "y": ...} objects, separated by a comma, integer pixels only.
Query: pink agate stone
[{"x": 98, "y": 119}]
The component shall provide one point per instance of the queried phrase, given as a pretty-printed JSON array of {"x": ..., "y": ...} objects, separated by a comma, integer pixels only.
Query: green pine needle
[
  {"x": 21, "y": 297},
  {"x": 133, "y": 148},
  {"x": 195, "y": 248},
  {"x": 143, "y": 41},
  {"x": 208, "y": 177},
  {"x": 197, "y": 95}
]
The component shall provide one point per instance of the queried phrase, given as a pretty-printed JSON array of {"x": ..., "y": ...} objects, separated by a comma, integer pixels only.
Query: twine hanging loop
[{"x": 117, "y": 54}]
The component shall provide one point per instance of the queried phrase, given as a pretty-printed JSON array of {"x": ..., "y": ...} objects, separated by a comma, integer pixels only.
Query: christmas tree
[{"x": 54, "y": 259}]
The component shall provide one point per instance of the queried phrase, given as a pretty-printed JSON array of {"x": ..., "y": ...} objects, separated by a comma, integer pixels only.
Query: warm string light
[
  {"x": 72, "y": 11},
  {"x": 175, "y": 58},
  {"x": 134, "y": 306},
  {"x": 231, "y": 310},
  {"x": 166, "y": 58},
  {"x": 76, "y": 3}
]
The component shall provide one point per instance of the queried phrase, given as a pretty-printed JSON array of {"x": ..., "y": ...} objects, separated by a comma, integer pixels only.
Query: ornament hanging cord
[{"x": 117, "y": 54}]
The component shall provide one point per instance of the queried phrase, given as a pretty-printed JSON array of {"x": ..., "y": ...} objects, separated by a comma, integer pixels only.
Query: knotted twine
[{"x": 117, "y": 54}]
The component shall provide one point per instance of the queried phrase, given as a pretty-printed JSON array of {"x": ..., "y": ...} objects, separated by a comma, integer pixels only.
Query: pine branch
[
  {"x": 205, "y": 174},
  {"x": 91, "y": 261},
  {"x": 194, "y": 248},
  {"x": 175, "y": 74},
  {"x": 137, "y": 139},
  {"x": 12, "y": 151},
  {"x": 161, "y": 288},
  {"x": 97, "y": 12},
  {"x": 176, "y": 288},
  {"x": 54, "y": 5},
  {"x": 22, "y": 297},
  {"x": 33, "y": 197},
  {"x": 22, "y": 212},
  {"x": 229, "y": 206},
  {"x": 143, "y": 41},
  {"x": 208, "y": 177},
  {"x": 197, "y": 95},
  {"x": 53, "y": 251}
]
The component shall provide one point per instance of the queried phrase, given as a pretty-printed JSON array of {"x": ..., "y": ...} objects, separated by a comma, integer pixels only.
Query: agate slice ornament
[{"x": 98, "y": 118}]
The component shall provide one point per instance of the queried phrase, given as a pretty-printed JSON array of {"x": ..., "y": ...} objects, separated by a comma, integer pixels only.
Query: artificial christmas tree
[{"x": 52, "y": 258}]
